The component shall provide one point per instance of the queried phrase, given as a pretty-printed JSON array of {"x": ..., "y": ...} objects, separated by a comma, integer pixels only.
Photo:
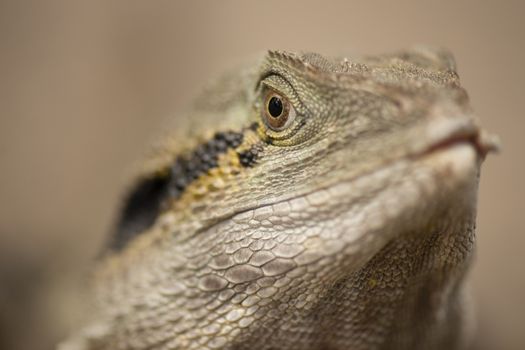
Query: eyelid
[
  {"x": 265, "y": 86},
  {"x": 265, "y": 76}
]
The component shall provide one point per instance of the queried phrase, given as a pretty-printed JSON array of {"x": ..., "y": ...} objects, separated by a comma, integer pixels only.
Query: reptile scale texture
[{"x": 304, "y": 203}]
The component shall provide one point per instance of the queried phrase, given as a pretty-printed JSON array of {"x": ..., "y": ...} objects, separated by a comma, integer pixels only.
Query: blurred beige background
[{"x": 85, "y": 86}]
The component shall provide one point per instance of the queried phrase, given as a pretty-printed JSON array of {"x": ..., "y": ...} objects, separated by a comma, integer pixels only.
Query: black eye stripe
[{"x": 249, "y": 157}]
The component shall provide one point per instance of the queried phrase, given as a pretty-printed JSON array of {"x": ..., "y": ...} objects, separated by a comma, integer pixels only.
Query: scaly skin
[{"x": 351, "y": 228}]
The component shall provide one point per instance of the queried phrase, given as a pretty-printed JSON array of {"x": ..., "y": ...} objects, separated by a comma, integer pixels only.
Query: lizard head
[{"x": 301, "y": 200}]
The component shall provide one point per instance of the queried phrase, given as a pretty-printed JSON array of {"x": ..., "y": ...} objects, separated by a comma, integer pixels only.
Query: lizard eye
[{"x": 278, "y": 112}]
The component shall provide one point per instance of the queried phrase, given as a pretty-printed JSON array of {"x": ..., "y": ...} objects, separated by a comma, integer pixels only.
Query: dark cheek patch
[
  {"x": 147, "y": 199},
  {"x": 140, "y": 210}
]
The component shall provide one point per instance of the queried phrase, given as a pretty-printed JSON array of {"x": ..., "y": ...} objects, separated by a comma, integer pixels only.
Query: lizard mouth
[{"x": 446, "y": 135}]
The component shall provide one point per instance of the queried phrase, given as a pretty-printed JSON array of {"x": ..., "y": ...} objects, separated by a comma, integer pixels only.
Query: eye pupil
[{"x": 275, "y": 107}]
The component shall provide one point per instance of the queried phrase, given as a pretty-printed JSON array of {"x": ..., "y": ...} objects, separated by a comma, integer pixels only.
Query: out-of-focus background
[{"x": 85, "y": 86}]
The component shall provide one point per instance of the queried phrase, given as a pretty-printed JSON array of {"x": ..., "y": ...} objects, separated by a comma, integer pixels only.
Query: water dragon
[{"x": 303, "y": 203}]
